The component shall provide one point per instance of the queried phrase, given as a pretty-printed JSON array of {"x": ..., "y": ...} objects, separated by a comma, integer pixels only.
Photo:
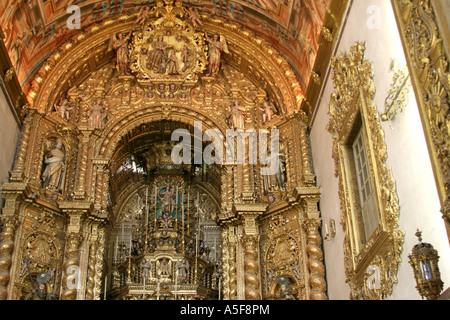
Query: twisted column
[
  {"x": 71, "y": 279},
  {"x": 315, "y": 260},
  {"x": 232, "y": 267},
  {"x": 225, "y": 267},
  {"x": 91, "y": 264},
  {"x": 6, "y": 249},
  {"x": 251, "y": 268},
  {"x": 71, "y": 267}
]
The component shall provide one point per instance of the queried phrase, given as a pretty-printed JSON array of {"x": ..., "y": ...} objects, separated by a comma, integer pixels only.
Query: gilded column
[
  {"x": 251, "y": 267},
  {"x": 308, "y": 198},
  {"x": 308, "y": 174},
  {"x": 249, "y": 214},
  {"x": 232, "y": 264},
  {"x": 9, "y": 224},
  {"x": 225, "y": 267},
  {"x": 315, "y": 260},
  {"x": 71, "y": 266}
]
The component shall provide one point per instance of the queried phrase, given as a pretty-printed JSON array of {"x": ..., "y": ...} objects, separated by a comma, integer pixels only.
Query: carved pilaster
[
  {"x": 425, "y": 38},
  {"x": 17, "y": 174},
  {"x": 80, "y": 191},
  {"x": 99, "y": 184},
  {"x": 308, "y": 174}
]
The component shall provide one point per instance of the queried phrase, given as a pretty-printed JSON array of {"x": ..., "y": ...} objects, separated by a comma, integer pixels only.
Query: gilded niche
[{"x": 370, "y": 211}]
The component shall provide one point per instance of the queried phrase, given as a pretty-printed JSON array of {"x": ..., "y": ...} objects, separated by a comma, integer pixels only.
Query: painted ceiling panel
[{"x": 35, "y": 28}]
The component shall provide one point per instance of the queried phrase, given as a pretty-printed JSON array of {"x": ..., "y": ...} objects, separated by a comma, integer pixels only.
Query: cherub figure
[
  {"x": 144, "y": 15},
  {"x": 268, "y": 111},
  {"x": 195, "y": 17},
  {"x": 64, "y": 108}
]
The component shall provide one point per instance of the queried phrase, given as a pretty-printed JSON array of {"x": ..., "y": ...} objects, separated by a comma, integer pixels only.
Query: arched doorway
[{"x": 166, "y": 241}]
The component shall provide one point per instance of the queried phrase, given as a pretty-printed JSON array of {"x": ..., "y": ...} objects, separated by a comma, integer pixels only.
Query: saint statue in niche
[
  {"x": 97, "y": 113},
  {"x": 173, "y": 66},
  {"x": 167, "y": 199},
  {"x": 119, "y": 42},
  {"x": 236, "y": 116},
  {"x": 217, "y": 45},
  {"x": 53, "y": 174}
]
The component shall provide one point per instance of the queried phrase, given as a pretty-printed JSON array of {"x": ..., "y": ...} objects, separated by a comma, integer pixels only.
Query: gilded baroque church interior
[{"x": 123, "y": 122}]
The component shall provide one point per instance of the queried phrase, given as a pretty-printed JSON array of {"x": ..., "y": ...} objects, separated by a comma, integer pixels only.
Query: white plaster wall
[
  {"x": 373, "y": 22},
  {"x": 9, "y": 134}
]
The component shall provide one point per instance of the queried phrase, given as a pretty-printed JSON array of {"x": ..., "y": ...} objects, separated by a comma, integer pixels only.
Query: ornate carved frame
[
  {"x": 352, "y": 76},
  {"x": 425, "y": 38}
]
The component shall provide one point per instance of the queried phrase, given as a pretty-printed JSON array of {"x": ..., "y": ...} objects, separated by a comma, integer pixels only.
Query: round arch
[{"x": 75, "y": 60}]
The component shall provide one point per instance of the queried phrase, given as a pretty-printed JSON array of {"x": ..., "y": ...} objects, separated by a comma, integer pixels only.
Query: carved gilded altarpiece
[{"x": 100, "y": 211}]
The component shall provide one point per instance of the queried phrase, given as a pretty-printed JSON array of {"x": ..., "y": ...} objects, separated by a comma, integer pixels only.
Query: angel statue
[
  {"x": 53, "y": 172},
  {"x": 146, "y": 269},
  {"x": 183, "y": 267},
  {"x": 216, "y": 45},
  {"x": 119, "y": 42}
]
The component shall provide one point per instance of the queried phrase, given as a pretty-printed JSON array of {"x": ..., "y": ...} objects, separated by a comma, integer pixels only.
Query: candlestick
[
  {"x": 146, "y": 207},
  {"x": 130, "y": 243},
  {"x": 143, "y": 289},
  {"x": 176, "y": 283},
  {"x": 117, "y": 244},
  {"x": 106, "y": 283},
  {"x": 189, "y": 205}
]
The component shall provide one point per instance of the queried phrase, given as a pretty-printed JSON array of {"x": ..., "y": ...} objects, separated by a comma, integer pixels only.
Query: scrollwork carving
[{"x": 352, "y": 76}]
